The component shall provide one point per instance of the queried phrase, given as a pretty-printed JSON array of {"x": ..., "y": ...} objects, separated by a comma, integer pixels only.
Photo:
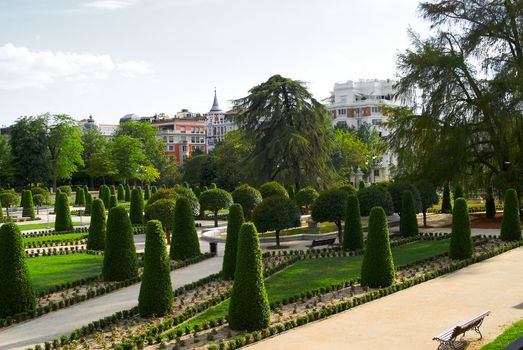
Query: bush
[
  {"x": 273, "y": 188},
  {"x": 147, "y": 193},
  {"x": 236, "y": 220},
  {"x": 511, "y": 225},
  {"x": 112, "y": 190},
  {"x": 350, "y": 189},
  {"x": 331, "y": 206},
  {"x": 65, "y": 189},
  {"x": 276, "y": 213},
  {"x": 193, "y": 199},
  {"x": 353, "y": 232},
  {"x": 156, "y": 292},
  {"x": 163, "y": 193},
  {"x": 184, "y": 242},
  {"x": 121, "y": 193},
  {"x": 8, "y": 199},
  {"x": 63, "y": 220},
  {"x": 197, "y": 191},
  {"x": 163, "y": 211},
  {"x": 490, "y": 204},
  {"x": 446, "y": 205},
  {"x": 249, "y": 306},
  {"x": 305, "y": 197},
  {"x": 80, "y": 197},
  {"x": 137, "y": 206},
  {"x": 460, "y": 240},
  {"x": 113, "y": 202},
  {"x": 248, "y": 197},
  {"x": 88, "y": 203},
  {"x": 120, "y": 262},
  {"x": 104, "y": 194},
  {"x": 16, "y": 290},
  {"x": 428, "y": 197},
  {"x": 408, "y": 219},
  {"x": 214, "y": 200},
  {"x": 377, "y": 269},
  {"x": 154, "y": 189},
  {"x": 396, "y": 190},
  {"x": 96, "y": 238},
  {"x": 458, "y": 192},
  {"x": 56, "y": 199},
  {"x": 41, "y": 191},
  {"x": 1, "y": 212},
  {"x": 375, "y": 196},
  {"x": 28, "y": 210},
  {"x": 361, "y": 185},
  {"x": 127, "y": 193}
]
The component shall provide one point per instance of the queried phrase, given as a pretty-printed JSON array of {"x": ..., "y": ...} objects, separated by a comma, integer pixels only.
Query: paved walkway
[{"x": 411, "y": 318}]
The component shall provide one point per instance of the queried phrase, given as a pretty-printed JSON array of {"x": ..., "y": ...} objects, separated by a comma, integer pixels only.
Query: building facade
[
  {"x": 106, "y": 130},
  {"x": 217, "y": 124}
]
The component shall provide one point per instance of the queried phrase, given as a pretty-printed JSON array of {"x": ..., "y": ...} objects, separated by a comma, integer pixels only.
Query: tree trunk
[
  {"x": 216, "y": 218},
  {"x": 278, "y": 238},
  {"x": 340, "y": 233},
  {"x": 54, "y": 184},
  {"x": 168, "y": 236}
]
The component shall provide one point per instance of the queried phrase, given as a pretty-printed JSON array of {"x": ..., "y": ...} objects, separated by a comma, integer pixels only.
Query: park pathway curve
[
  {"x": 58, "y": 323},
  {"x": 411, "y": 318}
]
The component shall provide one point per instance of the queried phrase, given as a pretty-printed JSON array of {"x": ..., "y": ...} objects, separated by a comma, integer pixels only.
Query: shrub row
[
  {"x": 53, "y": 232},
  {"x": 472, "y": 209},
  {"x": 61, "y": 251},
  {"x": 54, "y": 243}
]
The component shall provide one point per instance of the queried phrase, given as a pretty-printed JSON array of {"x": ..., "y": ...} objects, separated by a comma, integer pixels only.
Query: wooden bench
[
  {"x": 448, "y": 337},
  {"x": 323, "y": 241}
]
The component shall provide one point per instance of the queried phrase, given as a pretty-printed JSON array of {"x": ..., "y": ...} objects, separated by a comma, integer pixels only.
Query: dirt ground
[{"x": 477, "y": 220}]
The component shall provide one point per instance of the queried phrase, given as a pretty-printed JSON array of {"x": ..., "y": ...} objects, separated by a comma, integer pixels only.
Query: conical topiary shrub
[
  {"x": 511, "y": 224},
  {"x": 458, "y": 191},
  {"x": 58, "y": 191},
  {"x": 97, "y": 228},
  {"x": 88, "y": 203},
  {"x": 460, "y": 239},
  {"x": 408, "y": 219},
  {"x": 16, "y": 289},
  {"x": 137, "y": 206},
  {"x": 353, "y": 232},
  {"x": 113, "y": 202},
  {"x": 361, "y": 185},
  {"x": 1, "y": 212},
  {"x": 28, "y": 209},
  {"x": 184, "y": 241},
  {"x": 121, "y": 193},
  {"x": 79, "y": 200},
  {"x": 249, "y": 307},
  {"x": 377, "y": 269},
  {"x": 154, "y": 189},
  {"x": 490, "y": 204},
  {"x": 127, "y": 193},
  {"x": 104, "y": 194},
  {"x": 112, "y": 190},
  {"x": 63, "y": 220},
  {"x": 120, "y": 261},
  {"x": 156, "y": 291},
  {"x": 446, "y": 205},
  {"x": 147, "y": 193},
  {"x": 234, "y": 224}
]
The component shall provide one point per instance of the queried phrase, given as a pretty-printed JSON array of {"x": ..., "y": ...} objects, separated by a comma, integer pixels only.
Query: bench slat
[{"x": 462, "y": 327}]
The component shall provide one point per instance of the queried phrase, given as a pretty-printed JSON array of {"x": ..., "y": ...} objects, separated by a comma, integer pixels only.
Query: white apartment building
[
  {"x": 354, "y": 103},
  {"x": 217, "y": 124}
]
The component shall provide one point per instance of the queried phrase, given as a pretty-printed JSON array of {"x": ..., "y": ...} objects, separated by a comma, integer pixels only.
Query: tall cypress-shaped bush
[
  {"x": 234, "y": 224},
  {"x": 120, "y": 261},
  {"x": 446, "y": 205},
  {"x": 97, "y": 228},
  {"x": 1, "y": 212},
  {"x": 105, "y": 195},
  {"x": 408, "y": 219},
  {"x": 58, "y": 191},
  {"x": 154, "y": 189},
  {"x": 127, "y": 193},
  {"x": 86, "y": 190},
  {"x": 121, "y": 193},
  {"x": 112, "y": 190},
  {"x": 16, "y": 289},
  {"x": 113, "y": 202},
  {"x": 156, "y": 292},
  {"x": 249, "y": 307},
  {"x": 377, "y": 269},
  {"x": 353, "y": 232},
  {"x": 490, "y": 204},
  {"x": 147, "y": 193},
  {"x": 28, "y": 209},
  {"x": 63, "y": 220},
  {"x": 184, "y": 241},
  {"x": 511, "y": 224},
  {"x": 88, "y": 203},
  {"x": 137, "y": 206},
  {"x": 80, "y": 197},
  {"x": 361, "y": 185},
  {"x": 458, "y": 191},
  {"x": 460, "y": 239}
]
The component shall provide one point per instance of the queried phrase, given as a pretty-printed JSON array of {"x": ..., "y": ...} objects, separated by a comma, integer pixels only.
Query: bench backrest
[
  {"x": 323, "y": 241},
  {"x": 468, "y": 325}
]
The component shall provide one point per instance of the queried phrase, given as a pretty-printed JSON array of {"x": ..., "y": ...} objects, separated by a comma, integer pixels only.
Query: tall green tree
[
  {"x": 94, "y": 143},
  {"x": 128, "y": 154},
  {"x": 291, "y": 133},
  {"x": 7, "y": 169}
]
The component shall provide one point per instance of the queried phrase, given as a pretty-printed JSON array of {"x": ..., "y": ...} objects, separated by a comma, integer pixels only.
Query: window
[
  {"x": 182, "y": 130},
  {"x": 171, "y": 139},
  {"x": 376, "y": 121},
  {"x": 374, "y": 109},
  {"x": 376, "y": 172},
  {"x": 171, "y": 148},
  {"x": 342, "y": 112},
  {"x": 184, "y": 149}
]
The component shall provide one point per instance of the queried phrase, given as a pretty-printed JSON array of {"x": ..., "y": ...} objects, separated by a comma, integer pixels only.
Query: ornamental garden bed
[{"x": 55, "y": 240}]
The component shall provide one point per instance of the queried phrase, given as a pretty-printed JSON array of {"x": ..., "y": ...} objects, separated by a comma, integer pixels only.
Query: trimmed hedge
[
  {"x": 273, "y": 188},
  {"x": 353, "y": 232},
  {"x": 120, "y": 262},
  {"x": 396, "y": 190},
  {"x": 458, "y": 192},
  {"x": 375, "y": 196},
  {"x": 408, "y": 219},
  {"x": 446, "y": 205},
  {"x": 137, "y": 206},
  {"x": 113, "y": 202},
  {"x": 234, "y": 224},
  {"x": 511, "y": 224},
  {"x": 1, "y": 212},
  {"x": 184, "y": 241},
  {"x": 127, "y": 193},
  {"x": 104, "y": 194},
  {"x": 88, "y": 203},
  {"x": 156, "y": 293},
  {"x": 249, "y": 307},
  {"x": 248, "y": 197},
  {"x": 214, "y": 200},
  {"x": 377, "y": 268},
  {"x": 28, "y": 210},
  {"x": 191, "y": 196},
  {"x": 276, "y": 213},
  {"x": 361, "y": 185},
  {"x": 460, "y": 238},
  {"x": 305, "y": 197},
  {"x": 331, "y": 205},
  {"x": 97, "y": 228},
  {"x": 490, "y": 204},
  {"x": 147, "y": 193},
  {"x": 112, "y": 190},
  {"x": 63, "y": 220},
  {"x": 121, "y": 192},
  {"x": 80, "y": 197},
  {"x": 162, "y": 210}
]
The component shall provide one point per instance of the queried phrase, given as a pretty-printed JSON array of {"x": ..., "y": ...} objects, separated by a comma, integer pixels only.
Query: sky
[{"x": 108, "y": 58}]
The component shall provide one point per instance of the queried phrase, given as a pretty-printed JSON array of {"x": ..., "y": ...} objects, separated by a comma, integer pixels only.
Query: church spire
[{"x": 215, "y": 106}]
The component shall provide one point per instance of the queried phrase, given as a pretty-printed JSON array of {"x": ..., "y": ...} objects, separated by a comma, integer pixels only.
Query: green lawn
[
  {"x": 310, "y": 274},
  {"x": 62, "y": 237},
  {"x": 49, "y": 271},
  {"x": 43, "y": 225},
  {"x": 504, "y": 339}
]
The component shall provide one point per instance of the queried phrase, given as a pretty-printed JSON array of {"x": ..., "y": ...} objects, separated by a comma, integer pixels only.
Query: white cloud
[
  {"x": 110, "y": 4},
  {"x": 20, "y": 67}
]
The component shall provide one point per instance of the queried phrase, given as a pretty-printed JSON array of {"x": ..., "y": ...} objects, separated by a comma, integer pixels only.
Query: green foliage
[
  {"x": 28, "y": 210},
  {"x": 63, "y": 220},
  {"x": 458, "y": 191},
  {"x": 156, "y": 293},
  {"x": 56, "y": 199},
  {"x": 353, "y": 232},
  {"x": 249, "y": 307},
  {"x": 228, "y": 160},
  {"x": 162, "y": 210},
  {"x": 112, "y": 190},
  {"x": 97, "y": 227},
  {"x": 408, "y": 219},
  {"x": 248, "y": 197},
  {"x": 104, "y": 194},
  {"x": 147, "y": 193},
  {"x": 187, "y": 193},
  {"x": 361, "y": 185},
  {"x": 197, "y": 191},
  {"x": 88, "y": 202},
  {"x": 9, "y": 199},
  {"x": 1, "y": 212},
  {"x": 80, "y": 197},
  {"x": 375, "y": 196},
  {"x": 164, "y": 193},
  {"x": 377, "y": 269},
  {"x": 428, "y": 197},
  {"x": 16, "y": 290},
  {"x": 154, "y": 189},
  {"x": 213, "y": 186},
  {"x": 331, "y": 205},
  {"x": 65, "y": 189},
  {"x": 460, "y": 240},
  {"x": 184, "y": 242},
  {"x": 120, "y": 262},
  {"x": 490, "y": 204},
  {"x": 121, "y": 193},
  {"x": 350, "y": 189},
  {"x": 234, "y": 224},
  {"x": 305, "y": 197},
  {"x": 113, "y": 202},
  {"x": 273, "y": 188},
  {"x": 276, "y": 213},
  {"x": 396, "y": 190},
  {"x": 128, "y": 156},
  {"x": 7, "y": 168},
  {"x": 511, "y": 225},
  {"x": 127, "y": 193},
  {"x": 214, "y": 200},
  {"x": 44, "y": 192},
  {"x": 199, "y": 169},
  {"x": 446, "y": 205},
  {"x": 137, "y": 207}
]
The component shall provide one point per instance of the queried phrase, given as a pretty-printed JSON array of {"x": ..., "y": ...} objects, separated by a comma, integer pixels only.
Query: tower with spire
[{"x": 217, "y": 124}]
